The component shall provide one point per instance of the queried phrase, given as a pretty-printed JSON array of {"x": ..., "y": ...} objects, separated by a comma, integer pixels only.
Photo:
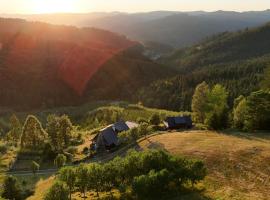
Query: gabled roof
[
  {"x": 178, "y": 121},
  {"x": 109, "y": 136},
  {"x": 120, "y": 126}
]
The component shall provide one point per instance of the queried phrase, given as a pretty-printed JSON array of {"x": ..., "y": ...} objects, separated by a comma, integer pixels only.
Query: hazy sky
[{"x": 45, "y": 6}]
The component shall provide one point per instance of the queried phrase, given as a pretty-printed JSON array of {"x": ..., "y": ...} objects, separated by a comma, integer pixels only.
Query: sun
[{"x": 53, "y": 6}]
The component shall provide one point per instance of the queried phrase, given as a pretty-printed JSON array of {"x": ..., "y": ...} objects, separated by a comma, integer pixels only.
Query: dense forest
[
  {"x": 236, "y": 60},
  {"x": 44, "y": 65}
]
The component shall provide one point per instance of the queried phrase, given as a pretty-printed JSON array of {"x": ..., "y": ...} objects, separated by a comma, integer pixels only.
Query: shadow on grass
[
  {"x": 190, "y": 194},
  {"x": 155, "y": 145},
  {"x": 258, "y": 136}
]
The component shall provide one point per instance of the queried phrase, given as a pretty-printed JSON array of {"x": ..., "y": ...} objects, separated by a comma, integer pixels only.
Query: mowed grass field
[{"x": 238, "y": 163}]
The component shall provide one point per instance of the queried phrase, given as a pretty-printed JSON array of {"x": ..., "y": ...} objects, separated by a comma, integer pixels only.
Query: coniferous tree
[
  {"x": 16, "y": 129},
  {"x": 33, "y": 135}
]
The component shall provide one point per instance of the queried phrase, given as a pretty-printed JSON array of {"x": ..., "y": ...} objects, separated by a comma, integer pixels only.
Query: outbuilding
[{"x": 178, "y": 122}]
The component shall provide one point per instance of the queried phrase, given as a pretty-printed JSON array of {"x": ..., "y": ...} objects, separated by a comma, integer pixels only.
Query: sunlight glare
[{"x": 53, "y": 6}]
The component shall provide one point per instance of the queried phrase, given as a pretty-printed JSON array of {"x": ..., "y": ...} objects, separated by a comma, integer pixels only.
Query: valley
[{"x": 168, "y": 105}]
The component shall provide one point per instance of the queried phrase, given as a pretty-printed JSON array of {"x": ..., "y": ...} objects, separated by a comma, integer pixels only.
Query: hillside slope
[
  {"x": 49, "y": 65},
  {"x": 236, "y": 60},
  {"x": 178, "y": 29},
  {"x": 237, "y": 164},
  {"x": 224, "y": 48}
]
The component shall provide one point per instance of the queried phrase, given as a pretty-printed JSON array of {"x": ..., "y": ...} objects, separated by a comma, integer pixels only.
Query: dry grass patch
[
  {"x": 238, "y": 165},
  {"x": 42, "y": 187}
]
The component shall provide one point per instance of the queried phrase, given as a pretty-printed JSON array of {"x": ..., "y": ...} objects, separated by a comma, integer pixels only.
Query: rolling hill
[
  {"x": 178, "y": 29},
  {"x": 236, "y": 60},
  {"x": 49, "y": 65}
]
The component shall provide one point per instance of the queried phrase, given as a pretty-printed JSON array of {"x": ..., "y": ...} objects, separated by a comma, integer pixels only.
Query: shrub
[
  {"x": 141, "y": 120},
  {"x": 60, "y": 160},
  {"x": 3, "y": 148},
  {"x": 72, "y": 150},
  {"x": 34, "y": 167},
  {"x": 11, "y": 188},
  {"x": 69, "y": 156},
  {"x": 48, "y": 152},
  {"x": 85, "y": 150},
  {"x": 155, "y": 119}
]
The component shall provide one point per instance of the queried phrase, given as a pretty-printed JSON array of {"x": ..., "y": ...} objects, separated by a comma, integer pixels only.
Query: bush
[
  {"x": 11, "y": 188},
  {"x": 72, "y": 150},
  {"x": 155, "y": 119},
  {"x": 3, "y": 148},
  {"x": 60, "y": 160},
  {"x": 141, "y": 120},
  {"x": 85, "y": 150},
  {"x": 48, "y": 152},
  {"x": 200, "y": 126},
  {"x": 69, "y": 156}
]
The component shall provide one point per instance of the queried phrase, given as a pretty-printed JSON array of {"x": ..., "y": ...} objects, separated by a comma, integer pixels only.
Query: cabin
[
  {"x": 178, "y": 122},
  {"x": 107, "y": 138}
]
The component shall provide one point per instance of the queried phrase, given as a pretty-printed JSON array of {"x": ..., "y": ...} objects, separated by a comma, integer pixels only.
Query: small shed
[{"x": 178, "y": 122}]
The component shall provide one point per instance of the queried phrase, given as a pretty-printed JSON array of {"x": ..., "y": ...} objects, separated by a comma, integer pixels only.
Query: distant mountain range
[
  {"x": 178, "y": 29},
  {"x": 49, "y": 65}
]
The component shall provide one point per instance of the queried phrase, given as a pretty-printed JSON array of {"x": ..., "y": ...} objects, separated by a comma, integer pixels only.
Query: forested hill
[
  {"x": 223, "y": 48},
  {"x": 236, "y": 60},
  {"x": 177, "y": 29},
  {"x": 50, "y": 65}
]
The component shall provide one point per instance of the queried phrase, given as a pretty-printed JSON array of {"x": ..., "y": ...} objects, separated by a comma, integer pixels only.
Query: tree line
[
  {"x": 251, "y": 112},
  {"x": 140, "y": 175}
]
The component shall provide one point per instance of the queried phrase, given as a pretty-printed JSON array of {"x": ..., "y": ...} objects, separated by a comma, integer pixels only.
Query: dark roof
[
  {"x": 120, "y": 126},
  {"x": 109, "y": 136},
  {"x": 179, "y": 121}
]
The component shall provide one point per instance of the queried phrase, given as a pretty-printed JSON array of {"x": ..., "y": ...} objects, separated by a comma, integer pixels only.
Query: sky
[{"x": 76, "y": 6}]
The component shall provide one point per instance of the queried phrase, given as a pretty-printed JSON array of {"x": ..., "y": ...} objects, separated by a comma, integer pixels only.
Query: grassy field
[{"x": 238, "y": 164}]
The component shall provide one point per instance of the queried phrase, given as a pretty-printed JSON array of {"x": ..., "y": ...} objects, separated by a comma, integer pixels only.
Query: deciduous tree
[
  {"x": 58, "y": 191},
  {"x": 199, "y": 102}
]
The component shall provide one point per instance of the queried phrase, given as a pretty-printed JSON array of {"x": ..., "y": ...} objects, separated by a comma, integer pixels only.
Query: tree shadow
[
  {"x": 155, "y": 145},
  {"x": 191, "y": 194},
  {"x": 255, "y": 136}
]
